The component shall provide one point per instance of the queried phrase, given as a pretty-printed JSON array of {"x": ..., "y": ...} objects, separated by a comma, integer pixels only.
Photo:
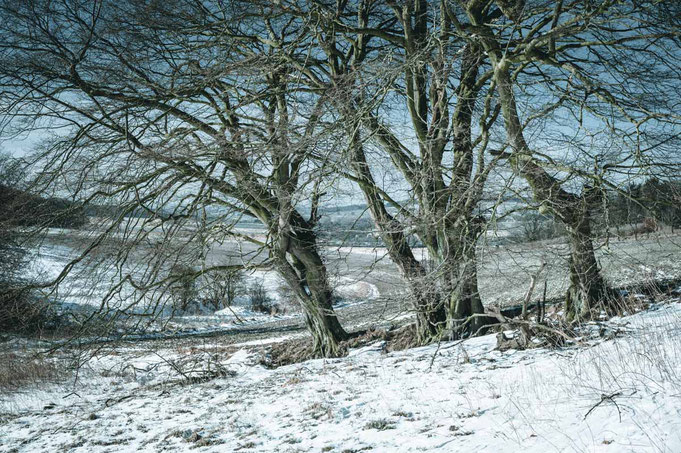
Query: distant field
[
  {"x": 371, "y": 288},
  {"x": 505, "y": 272}
]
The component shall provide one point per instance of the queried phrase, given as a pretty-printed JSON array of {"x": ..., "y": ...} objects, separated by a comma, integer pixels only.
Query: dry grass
[
  {"x": 287, "y": 352},
  {"x": 20, "y": 371},
  {"x": 300, "y": 350}
]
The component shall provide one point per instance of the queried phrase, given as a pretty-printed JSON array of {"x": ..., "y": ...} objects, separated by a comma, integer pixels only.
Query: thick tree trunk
[
  {"x": 323, "y": 323},
  {"x": 464, "y": 301},
  {"x": 461, "y": 284},
  {"x": 425, "y": 292},
  {"x": 299, "y": 263},
  {"x": 320, "y": 318},
  {"x": 316, "y": 300},
  {"x": 587, "y": 291},
  {"x": 429, "y": 307}
]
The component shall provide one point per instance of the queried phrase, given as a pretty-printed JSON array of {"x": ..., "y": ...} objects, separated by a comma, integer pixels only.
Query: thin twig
[{"x": 610, "y": 398}]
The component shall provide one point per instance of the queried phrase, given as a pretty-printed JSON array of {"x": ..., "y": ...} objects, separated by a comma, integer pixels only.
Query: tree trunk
[
  {"x": 587, "y": 288},
  {"x": 423, "y": 287},
  {"x": 461, "y": 283},
  {"x": 299, "y": 263},
  {"x": 427, "y": 302},
  {"x": 319, "y": 315},
  {"x": 464, "y": 302},
  {"x": 587, "y": 291},
  {"x": 464, "y": 298},
  {"x": 430, "y": 309},
  {"x": 317, "y": 302},
  {"x": 323, "y": 324}
]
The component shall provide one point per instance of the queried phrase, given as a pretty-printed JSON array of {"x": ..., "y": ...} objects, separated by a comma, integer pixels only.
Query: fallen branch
[
  {"x": 526, "y": 327},
  {"x": 610, "y": 398}
]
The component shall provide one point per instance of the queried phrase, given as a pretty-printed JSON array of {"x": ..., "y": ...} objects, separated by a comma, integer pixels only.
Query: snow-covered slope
[{"x": 616, "y": 393}]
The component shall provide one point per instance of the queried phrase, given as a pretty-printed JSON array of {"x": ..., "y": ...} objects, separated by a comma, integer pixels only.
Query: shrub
[
  {"x": 537, "y": 227},
  {"x": 260, "y": 300},
  {"x": 21, "y": 312},
  {"x": 183, "y": 289},
  {"x": 381, "y": 424},
  {"x": 223, "y": 287},
  {"x": 649, "y": 225}
]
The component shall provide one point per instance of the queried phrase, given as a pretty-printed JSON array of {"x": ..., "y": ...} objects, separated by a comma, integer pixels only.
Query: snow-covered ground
[
  {"x": 365, "y": 280},
  {"x": 617, "y": 392},
  {"x": 49, "y": 260}
]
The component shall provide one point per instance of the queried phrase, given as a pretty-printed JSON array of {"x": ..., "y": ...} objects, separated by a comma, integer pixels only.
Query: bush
[
  {"x": 537, "y": 227},
  {"x": 260, "y": 300},
  {"x": 22, "y": 312},
  {"x": 649, "y": 225},
  {"x": 184, "y": 293},
  {"x": 223, "y": 287}
]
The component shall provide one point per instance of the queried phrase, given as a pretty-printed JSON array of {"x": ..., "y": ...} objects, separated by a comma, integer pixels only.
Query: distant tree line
[
  {"x": 22, "y": 209},
  {"x": 644, "y": 206},
  {"x": 653, "y": 199}
]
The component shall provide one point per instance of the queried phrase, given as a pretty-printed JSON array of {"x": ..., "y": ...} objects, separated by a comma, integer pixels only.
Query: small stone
[{"x": 195, "y": 437}]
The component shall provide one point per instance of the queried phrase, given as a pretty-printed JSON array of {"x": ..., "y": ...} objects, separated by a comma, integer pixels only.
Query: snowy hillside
[{"x": 619, "y": 390}]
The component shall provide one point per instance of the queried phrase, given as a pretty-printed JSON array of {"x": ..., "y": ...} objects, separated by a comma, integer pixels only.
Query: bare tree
[
  {"x": 189, "y": 116},
  {"x": 181, "y": 111},
  {"x": 584, "y": 61},
  {"x": 386, "y": 61},
  {"x": 260, "y": 300},
  {"x": 223, "y": 288}
]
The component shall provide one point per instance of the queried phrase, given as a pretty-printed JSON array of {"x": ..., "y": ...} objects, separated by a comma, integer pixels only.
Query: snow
[
  {"x": 616, "y": 393},
  {"x": 348, "y": 288},
  {"x": 84, "y": 289}
]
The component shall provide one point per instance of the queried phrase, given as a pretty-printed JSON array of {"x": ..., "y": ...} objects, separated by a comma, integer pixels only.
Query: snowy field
[
  {"x": 366, "y": 276},
  {"x": 619, "y": 390},
  {"x": 85, "y": 286}
]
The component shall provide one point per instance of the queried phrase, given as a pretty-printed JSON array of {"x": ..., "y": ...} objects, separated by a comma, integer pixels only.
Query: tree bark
[
  {"x": 463, "y": 294},
  {"x": 299, "y": 263},
  {"x": 587, "y": 290},
  {"x": 320, "y": 317},
  {"x": 431, "y": 315}
]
